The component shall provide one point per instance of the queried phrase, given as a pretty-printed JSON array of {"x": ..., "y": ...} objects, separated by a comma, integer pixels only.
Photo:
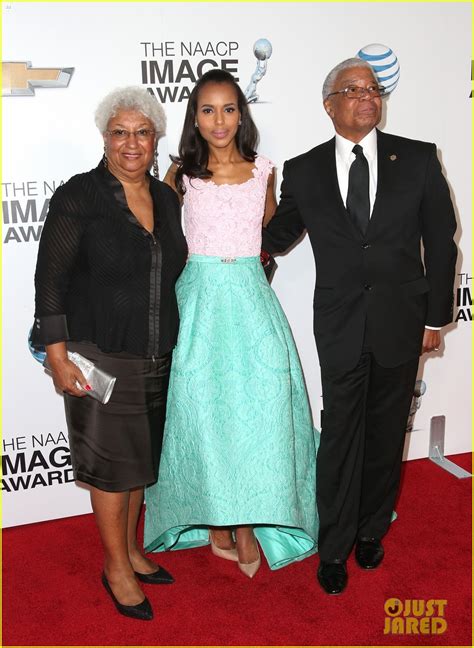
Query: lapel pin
[{"x": 393, "y": 157}]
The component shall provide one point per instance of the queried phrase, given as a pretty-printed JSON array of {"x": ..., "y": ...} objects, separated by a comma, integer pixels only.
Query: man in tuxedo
[{"x": 367, "y": 200}]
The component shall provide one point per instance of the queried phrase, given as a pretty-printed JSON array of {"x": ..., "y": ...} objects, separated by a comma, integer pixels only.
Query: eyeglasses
[
  {"x": 142, "y": 134},
  {"x": 357, "y": 92}
]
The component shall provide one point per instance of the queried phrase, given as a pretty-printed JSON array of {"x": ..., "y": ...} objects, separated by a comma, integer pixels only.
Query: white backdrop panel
[{"x": 51, "y": 136}]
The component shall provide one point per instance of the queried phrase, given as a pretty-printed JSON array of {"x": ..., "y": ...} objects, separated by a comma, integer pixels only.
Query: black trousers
[{"x": 359, "y": 458}]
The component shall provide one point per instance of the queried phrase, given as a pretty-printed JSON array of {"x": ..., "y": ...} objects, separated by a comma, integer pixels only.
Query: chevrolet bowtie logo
[{"x": 20, "y": 79}]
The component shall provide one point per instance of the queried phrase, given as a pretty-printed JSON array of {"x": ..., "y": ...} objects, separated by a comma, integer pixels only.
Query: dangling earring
[
  {"x": 105, "y": 161},
  {"x": 155, "y": 164},
  {"x": 195, "y": 124},
  {"x": 240, "y": 122}
]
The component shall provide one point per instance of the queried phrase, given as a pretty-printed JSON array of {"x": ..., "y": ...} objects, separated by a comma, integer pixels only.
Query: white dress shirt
[{"x": 345, "y": 157}]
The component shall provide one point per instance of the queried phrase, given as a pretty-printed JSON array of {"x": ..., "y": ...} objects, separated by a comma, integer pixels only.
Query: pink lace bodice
[{"x": 226, "y": 220}]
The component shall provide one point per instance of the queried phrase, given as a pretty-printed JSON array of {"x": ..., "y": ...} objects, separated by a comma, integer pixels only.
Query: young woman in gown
[{"x": 239, "y": 451}]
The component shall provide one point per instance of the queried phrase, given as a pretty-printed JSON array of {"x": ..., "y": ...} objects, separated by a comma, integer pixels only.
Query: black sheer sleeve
[{"x": 57, "y": 254}]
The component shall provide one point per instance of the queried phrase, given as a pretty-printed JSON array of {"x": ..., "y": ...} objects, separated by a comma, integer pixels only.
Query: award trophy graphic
[{"x": 262, "y": 50}]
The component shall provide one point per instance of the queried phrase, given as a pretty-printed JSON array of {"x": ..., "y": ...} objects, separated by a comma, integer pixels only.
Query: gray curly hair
[
  {"x": 329, "y": 81},
  {"x": 131, "y": 98}
]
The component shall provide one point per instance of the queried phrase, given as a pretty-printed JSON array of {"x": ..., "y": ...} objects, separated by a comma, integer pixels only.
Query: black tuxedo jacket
[{"x": 377, "y": 284}]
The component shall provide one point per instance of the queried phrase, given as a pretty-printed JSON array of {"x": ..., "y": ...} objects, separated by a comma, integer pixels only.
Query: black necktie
[{"x": 357, "y": 202}]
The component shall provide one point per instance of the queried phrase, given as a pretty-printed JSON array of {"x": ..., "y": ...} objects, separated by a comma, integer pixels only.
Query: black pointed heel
[
  {"x": 142, "y": 611},
  {"x": 160, "y": 577}
]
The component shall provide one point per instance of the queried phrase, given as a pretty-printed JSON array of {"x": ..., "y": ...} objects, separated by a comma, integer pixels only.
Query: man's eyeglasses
[
  {"x": 357, "y": 92},
  {"x": 142, "y": 134}
]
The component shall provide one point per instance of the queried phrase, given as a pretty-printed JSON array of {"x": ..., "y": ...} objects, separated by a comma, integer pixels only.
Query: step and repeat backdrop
[{"x": 60, "y": 59}]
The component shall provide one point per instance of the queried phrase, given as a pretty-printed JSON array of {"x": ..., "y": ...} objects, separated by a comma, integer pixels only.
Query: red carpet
[{"x": 53, "y": 595}]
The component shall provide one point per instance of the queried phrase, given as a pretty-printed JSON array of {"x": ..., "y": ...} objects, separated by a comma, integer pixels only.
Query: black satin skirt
[{"x": 117, "y": 446}]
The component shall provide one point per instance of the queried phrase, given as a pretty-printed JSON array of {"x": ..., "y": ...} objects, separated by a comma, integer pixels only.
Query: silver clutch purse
[{"x": 101, "y": 382}]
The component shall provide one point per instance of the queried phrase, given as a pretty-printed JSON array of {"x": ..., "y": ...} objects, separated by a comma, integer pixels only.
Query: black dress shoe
[
  {"x": 369, "y": 553},
  {"x": 142, "y": 611},
  {"x": 160, "y": 577},
  {"x": 332, "y": 576}
]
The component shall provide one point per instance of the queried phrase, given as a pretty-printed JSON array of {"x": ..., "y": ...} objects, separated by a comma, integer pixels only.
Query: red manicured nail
[{"x": 88, "y": 388}]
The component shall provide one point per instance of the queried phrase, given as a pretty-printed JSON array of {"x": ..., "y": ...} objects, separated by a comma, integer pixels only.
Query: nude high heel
[
  {"x": 250, "y": 569},
  {"x": 227, "y": 554}
]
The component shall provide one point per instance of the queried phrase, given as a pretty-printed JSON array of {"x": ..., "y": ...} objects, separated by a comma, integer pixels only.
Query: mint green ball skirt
[{"x": 239, "y": 444}]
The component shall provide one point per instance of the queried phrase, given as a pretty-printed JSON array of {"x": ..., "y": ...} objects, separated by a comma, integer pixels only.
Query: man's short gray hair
[
  {"x": 131, "y": 98},
  {"x": 329, "y": 81}
]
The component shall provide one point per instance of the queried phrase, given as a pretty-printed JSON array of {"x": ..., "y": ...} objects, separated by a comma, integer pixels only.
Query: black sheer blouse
[{"x": 100, "y": 276}]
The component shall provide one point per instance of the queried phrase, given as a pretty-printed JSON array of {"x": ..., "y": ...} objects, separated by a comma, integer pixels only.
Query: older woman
[{"x": 111, "y": 250}]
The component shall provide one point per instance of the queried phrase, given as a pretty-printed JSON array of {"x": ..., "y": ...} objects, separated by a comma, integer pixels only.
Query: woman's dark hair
[{"x": 193, "y": 152}]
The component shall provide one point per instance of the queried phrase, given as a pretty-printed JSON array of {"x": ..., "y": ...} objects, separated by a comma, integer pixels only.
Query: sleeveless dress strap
[{"x": 263, "y": 167}]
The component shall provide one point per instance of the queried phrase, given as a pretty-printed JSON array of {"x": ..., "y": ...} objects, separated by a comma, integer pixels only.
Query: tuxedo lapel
[
  {"x": 331, "y": 184},
  {"x": 387, "y": 168}
]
